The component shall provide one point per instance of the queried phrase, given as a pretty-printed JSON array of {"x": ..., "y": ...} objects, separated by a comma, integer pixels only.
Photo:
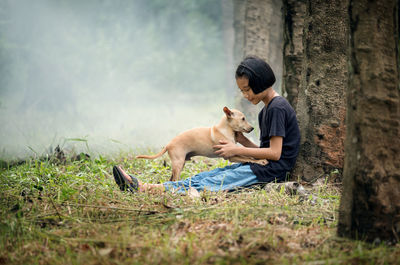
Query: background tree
[
  {"x": 370, "y": 205},
  {"x": 323, "y": 78},
  {"x": 294, "y": 12},
  {"x": 258, "y": 31},
  {"x": 228, "y": 34}
]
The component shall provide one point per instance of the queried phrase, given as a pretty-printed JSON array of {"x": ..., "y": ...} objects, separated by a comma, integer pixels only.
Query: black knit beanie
[{"x": 258, "y": 72}]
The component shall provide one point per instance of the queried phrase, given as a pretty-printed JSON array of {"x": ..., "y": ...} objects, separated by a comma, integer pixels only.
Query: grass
[{"x": 73, "y": 213}]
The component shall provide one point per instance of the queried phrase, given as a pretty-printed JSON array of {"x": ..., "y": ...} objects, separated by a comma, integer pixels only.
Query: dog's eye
[{"x": 243, "y": 119}]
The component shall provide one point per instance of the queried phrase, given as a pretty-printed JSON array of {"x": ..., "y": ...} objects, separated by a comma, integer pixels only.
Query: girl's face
[{"x": 247, "y": 92}]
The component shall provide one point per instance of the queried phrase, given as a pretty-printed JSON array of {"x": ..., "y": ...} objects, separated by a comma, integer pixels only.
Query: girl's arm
[{"x": 227, "y": 149}]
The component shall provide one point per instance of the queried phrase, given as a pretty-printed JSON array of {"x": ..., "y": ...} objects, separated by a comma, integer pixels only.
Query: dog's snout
[{"x": 250, "y": 129}]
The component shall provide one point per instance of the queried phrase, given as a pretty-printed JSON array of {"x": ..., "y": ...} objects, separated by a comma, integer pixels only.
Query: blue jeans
[{"x": 228, "y": 178}]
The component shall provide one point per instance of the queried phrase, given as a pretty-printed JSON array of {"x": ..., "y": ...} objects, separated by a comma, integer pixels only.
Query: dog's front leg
[{"x": 241, "y": 159}]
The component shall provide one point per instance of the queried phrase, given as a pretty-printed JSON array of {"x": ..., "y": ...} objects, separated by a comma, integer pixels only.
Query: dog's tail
[{"x": 154, "y": 156}]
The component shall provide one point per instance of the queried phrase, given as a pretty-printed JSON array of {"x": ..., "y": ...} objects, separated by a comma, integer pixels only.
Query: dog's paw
[{"x": 263, "y": 162}]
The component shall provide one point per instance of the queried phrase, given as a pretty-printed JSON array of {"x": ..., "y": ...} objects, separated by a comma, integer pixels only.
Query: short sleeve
[{"x": 277, "y": 122}]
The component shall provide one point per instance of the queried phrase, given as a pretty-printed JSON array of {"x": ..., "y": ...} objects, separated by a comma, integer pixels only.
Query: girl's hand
[{"x": 226, "y": 149}]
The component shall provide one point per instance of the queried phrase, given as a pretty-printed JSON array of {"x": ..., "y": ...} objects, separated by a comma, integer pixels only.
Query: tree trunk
[
  {"x": 321, "y": 102},
  {"x": 370, "y": 205},
  {"x": 293, "y": 12},
  {"x": 228, "y": 35},
  {"x": 258, "y": 28}
]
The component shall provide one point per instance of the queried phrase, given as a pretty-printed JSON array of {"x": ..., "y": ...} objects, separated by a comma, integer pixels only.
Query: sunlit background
[
  {"x": 103, "y": 76},
  {"x": 114, "y": 74}
]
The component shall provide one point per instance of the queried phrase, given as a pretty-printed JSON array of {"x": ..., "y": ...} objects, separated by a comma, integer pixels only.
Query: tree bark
[
  {"x": 321, "y": 102},
  {"x": 258, "y": 28},
  {"x": 293, "y": 13},
  {"x": 228, "y": 35},
  {"x": 370, "y": 205}
]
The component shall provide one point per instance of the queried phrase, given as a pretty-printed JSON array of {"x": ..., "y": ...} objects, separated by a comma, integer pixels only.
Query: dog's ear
[{"x": 228, "y": 112}]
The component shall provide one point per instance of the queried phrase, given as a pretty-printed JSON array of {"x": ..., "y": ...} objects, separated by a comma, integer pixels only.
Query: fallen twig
[
  {"x": 58, "y": 213},
  {"x": 112, "y": 208}
]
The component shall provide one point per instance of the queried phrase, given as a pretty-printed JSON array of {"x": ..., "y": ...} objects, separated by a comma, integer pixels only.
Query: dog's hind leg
[
  {"x": 177, "y": 166},
  {"x": 177, "y": 155}
]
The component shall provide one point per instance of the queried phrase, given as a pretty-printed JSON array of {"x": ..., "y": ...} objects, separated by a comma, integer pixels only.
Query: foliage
[{"x": 73, "y": 213}]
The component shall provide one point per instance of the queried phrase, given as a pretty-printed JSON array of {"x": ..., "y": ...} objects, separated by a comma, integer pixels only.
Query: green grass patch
[{"x": 73, "y": 213}]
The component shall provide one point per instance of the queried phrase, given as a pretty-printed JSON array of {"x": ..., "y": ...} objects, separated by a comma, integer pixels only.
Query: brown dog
[{"x": 200, "y": 142}]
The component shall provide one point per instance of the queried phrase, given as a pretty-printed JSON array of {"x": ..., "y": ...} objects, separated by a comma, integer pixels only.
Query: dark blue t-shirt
[{"x": 278, "y": 119}]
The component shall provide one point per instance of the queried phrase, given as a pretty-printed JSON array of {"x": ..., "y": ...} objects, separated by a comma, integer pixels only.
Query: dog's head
[{"x": 237, "y": 121}]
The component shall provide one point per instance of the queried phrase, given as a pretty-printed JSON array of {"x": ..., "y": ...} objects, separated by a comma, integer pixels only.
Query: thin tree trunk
[
  {"x": 293, "y": 13},
  {"x": 258, "y": 31},
  {"x": 370, "y": 205},
  {"x": 228, "y": 35}
]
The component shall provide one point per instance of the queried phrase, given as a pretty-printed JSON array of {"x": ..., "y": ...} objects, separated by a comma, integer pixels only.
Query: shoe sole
[{"x": 123, "y": 183}]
